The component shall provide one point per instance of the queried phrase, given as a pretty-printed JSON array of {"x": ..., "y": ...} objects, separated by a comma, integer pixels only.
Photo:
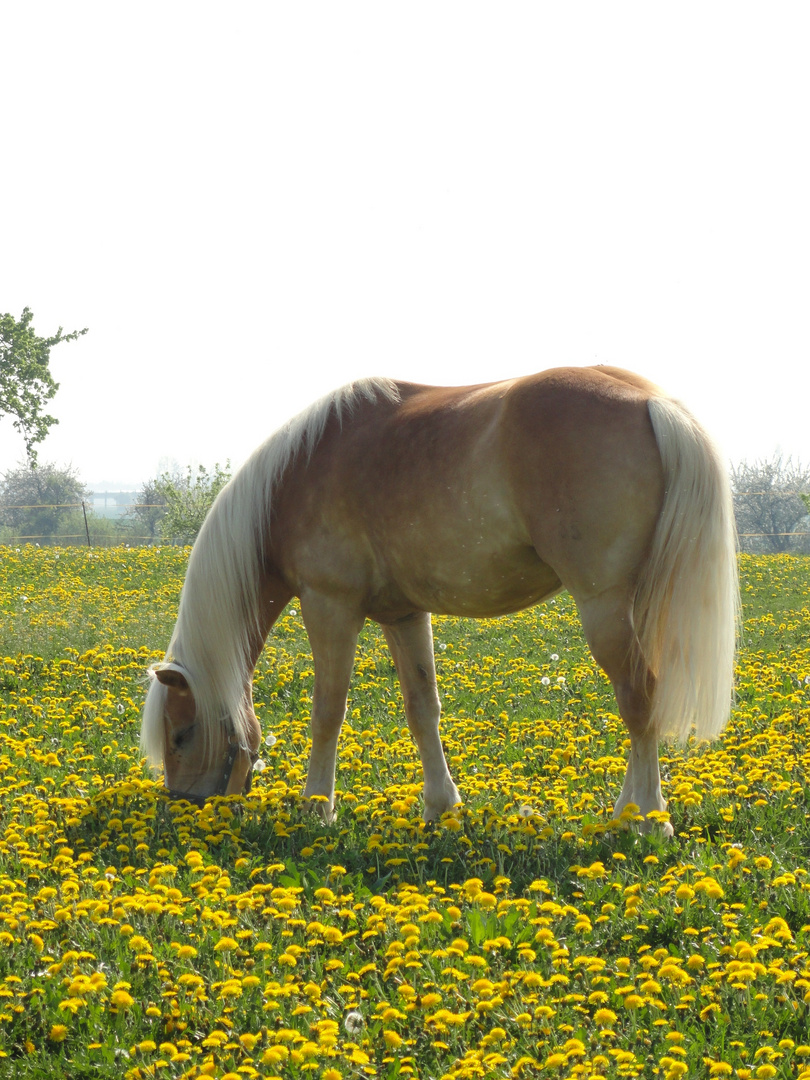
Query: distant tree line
[
  {"x": 772, "y": 506},
  {"x": 46, "y": 504}
]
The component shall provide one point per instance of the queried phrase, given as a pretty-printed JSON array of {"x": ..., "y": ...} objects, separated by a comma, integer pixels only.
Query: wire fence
[
  {"x": 99, "y": 531},
  {"x": 103, "y": 531}
]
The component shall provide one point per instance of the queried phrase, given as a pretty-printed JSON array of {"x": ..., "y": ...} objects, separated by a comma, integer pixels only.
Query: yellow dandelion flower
[
  {"x": 185, "y": 952},
  {"x": 473, "y": 887},
  {"x": 674, "y": 1069},
  {"x": 121, "y": 999},
  {"x": 605, "y": 1017},
  {"x": 58, "y": 1033}
]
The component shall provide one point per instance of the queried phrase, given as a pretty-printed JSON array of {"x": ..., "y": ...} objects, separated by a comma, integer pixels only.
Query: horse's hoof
[
  {"x": 434, "y": 814},
  {"x": 657, "y": 821},
  {"x": 320, "y": 805},
  {"x": 448, "y": 799}
]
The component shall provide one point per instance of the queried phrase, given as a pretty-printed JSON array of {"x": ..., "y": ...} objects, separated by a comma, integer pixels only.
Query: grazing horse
[{"x": 390, "y": 500}]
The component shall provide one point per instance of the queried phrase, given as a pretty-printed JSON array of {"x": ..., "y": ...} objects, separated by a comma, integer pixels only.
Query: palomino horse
[{"x": 388, "y": 501}]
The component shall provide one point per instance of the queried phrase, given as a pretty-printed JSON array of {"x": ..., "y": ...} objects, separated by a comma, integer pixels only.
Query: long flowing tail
[{"x": 687, "y": 603}]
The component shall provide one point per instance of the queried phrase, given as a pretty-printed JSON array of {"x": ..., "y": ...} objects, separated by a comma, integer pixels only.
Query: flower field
[{"x": 531, "y": 936}]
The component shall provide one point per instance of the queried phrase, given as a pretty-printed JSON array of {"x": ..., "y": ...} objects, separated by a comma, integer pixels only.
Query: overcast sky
[{"x": 250, "y": 204}]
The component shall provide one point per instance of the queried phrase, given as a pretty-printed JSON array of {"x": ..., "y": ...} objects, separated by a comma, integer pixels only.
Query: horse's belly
[{"x": 479, "y": 587}]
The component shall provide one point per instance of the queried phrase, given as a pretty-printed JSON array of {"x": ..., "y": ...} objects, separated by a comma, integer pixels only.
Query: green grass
[{"x": 532, "y": 936}]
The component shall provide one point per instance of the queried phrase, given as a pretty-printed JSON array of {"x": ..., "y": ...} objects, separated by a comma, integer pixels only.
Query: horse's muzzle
[{"x": 234, "y": 748}]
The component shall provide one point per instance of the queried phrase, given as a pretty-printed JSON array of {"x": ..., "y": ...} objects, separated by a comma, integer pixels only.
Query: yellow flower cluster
[{"x": 528, "y": 935}]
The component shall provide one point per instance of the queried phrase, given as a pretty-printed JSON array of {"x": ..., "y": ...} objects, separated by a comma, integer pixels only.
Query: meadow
[{"x": 531, "y": 936}]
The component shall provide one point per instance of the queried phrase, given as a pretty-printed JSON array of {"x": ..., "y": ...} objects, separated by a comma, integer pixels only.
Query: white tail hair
[
  {"x": 688, "y": 602},
  {"x": 220, "y": 616}
]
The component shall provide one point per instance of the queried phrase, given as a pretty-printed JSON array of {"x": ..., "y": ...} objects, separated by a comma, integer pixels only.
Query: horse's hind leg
[
  {"x": 411, "y": 645},
  {"x": 333, "y": 630},
  {"x": 607, "y": 620}
]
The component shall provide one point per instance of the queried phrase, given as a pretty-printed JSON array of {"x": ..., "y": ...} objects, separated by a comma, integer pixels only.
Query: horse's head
[{"x": 200, "y": 759}]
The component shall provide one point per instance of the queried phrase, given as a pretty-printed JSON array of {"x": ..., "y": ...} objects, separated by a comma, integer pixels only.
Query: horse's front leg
[
  {"x": 333, "y": 630},
  {"x": 411, "y": 645}
]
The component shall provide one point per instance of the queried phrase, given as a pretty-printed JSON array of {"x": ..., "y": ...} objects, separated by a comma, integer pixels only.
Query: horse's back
[{"x": 477, "y": 499}]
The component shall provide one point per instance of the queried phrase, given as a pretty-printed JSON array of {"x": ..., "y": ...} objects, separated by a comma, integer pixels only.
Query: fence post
[{"x": 86, "y": 529}]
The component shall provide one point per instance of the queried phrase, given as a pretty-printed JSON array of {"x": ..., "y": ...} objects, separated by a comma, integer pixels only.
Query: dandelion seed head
[{"x": 353, "y": 1022}]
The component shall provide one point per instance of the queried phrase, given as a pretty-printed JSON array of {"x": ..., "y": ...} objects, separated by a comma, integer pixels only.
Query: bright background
[{"x": 249, "y": 204}]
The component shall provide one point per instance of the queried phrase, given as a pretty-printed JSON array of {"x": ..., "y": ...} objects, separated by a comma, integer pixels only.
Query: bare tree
[
  {"x": 771, "y": 515},
  {"x": 41, "y": 503}
]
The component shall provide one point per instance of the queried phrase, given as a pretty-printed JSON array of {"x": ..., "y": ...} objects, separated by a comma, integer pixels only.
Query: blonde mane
[{"x": 219, "y": 614}]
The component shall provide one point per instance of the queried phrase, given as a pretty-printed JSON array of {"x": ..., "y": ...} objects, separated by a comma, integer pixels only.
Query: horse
[{"x": 389, "y": 501}]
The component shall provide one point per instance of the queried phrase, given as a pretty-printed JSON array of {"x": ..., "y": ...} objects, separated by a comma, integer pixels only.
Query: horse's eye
[{"x": 182, "y": 738}]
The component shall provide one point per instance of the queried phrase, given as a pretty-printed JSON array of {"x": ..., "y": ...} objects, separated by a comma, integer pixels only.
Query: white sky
[{"x": 249, "y": 204}]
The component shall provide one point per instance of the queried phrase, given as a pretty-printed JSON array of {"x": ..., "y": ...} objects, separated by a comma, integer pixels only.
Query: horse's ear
[{"x": 171, "y": 675}]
